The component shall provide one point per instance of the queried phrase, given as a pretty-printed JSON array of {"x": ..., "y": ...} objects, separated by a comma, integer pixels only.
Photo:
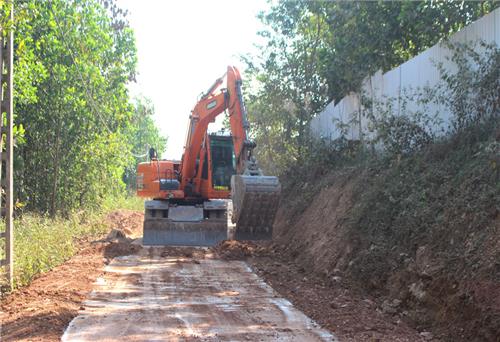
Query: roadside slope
[{"x": 420, "y": 234}]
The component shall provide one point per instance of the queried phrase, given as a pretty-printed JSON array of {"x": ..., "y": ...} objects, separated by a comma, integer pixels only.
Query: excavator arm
[
  {"x": 215, "y": 101},
  {"x": 205, "y": 112}
]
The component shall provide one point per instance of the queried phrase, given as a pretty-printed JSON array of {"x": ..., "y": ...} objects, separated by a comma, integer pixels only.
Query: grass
[
  {"x": 42, "y": 243},
  {"x": 130, "y": 202}
]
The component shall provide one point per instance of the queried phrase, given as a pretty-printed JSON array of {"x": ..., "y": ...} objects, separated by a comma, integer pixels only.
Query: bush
[{"x": 472, "y": 91}]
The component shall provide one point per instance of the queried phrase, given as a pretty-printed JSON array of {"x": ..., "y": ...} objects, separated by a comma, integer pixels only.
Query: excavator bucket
[
  {"x": 185, "y": 225},
  {"x": 255, "y": 202}
]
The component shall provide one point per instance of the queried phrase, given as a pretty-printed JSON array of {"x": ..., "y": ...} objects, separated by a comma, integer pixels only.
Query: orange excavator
[{"x": 217, "y": 191}]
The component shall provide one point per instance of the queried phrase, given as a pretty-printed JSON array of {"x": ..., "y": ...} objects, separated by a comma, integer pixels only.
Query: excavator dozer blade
[
  {"x": 181, "y": 226},
  {"x": 165, "y": 232},
  {"x": 255, "y": 202}
]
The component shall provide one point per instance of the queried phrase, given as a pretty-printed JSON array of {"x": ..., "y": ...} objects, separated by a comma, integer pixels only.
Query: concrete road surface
[{"x": 155, "y": 297}]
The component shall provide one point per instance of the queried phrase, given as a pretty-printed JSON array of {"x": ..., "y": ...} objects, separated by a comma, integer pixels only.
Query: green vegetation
[
  {"x": 80, "y": 127},
  {"x": 319, "y": 51},
  {"x": 449, "y": 191},
  {"x": 130, "y": 202},
  {"x": 78, "y": 132},
  {"x": 418, "y": 221},
  {"x": 42, "y": 243},
  {"x": 143, "y": 134},
  {"x": 444, "y": 188}
]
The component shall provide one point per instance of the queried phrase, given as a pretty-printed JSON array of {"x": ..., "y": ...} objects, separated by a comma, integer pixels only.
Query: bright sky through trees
[{"x": 183, "y": 46}]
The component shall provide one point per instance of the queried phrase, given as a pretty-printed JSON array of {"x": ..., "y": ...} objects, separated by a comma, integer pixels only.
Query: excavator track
[{"x": 255, "y": 202}]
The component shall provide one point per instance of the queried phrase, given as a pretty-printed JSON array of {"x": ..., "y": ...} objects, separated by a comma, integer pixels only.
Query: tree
[
  {"x": 71, "y": 69},
  {"x": 143, "y": 135},
  {"x": 362, "y": 37},
  {"x": 290, "y": 89}
]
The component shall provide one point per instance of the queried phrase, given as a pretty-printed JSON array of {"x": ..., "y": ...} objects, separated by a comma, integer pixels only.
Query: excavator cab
[{"x": 222, "y": 160}]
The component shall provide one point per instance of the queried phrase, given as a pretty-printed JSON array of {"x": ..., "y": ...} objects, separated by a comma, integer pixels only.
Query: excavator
[{"x": 216, "y": 191}]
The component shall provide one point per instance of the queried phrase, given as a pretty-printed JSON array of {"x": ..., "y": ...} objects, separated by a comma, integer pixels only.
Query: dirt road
[
  {"x": 120, "y": 291},
  {"x": 187, "y": 295}
]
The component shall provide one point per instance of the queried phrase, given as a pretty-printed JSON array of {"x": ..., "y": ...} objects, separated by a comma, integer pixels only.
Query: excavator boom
[{"x": 190, "y": 198}]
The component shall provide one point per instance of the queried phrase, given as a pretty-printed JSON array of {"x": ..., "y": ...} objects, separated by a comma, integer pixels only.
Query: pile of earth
[{"x": 237, "y": 250}]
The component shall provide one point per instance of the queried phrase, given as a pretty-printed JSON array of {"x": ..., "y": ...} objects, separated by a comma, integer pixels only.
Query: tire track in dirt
[{"x": 183, "y": 298}]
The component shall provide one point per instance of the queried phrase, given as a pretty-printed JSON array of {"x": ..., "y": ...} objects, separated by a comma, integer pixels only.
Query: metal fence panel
[{"x": 408, "y": 78}]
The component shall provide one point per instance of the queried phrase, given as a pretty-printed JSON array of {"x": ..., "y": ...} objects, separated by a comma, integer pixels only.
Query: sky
[{"x": 183, "y": 47}]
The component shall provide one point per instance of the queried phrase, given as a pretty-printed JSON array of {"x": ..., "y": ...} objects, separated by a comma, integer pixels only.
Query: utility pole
[{"x": 6, "y": 147}]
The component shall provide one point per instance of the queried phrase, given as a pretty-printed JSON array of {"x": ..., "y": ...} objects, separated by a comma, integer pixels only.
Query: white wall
[{"x": 418, "y": 72}]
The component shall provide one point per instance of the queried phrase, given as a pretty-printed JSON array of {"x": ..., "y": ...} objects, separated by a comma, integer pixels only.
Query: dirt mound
[
  {"x": 186, "y": 252},
  {"x": 126, "y": 223},
  {"x": 240, "y": 250},
  {"x": 40, "y": 311},
  {"x": 115, "y": 249}
]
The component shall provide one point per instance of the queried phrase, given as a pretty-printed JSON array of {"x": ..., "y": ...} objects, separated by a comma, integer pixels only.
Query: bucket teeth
[{"x": 255, "y": 202}]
